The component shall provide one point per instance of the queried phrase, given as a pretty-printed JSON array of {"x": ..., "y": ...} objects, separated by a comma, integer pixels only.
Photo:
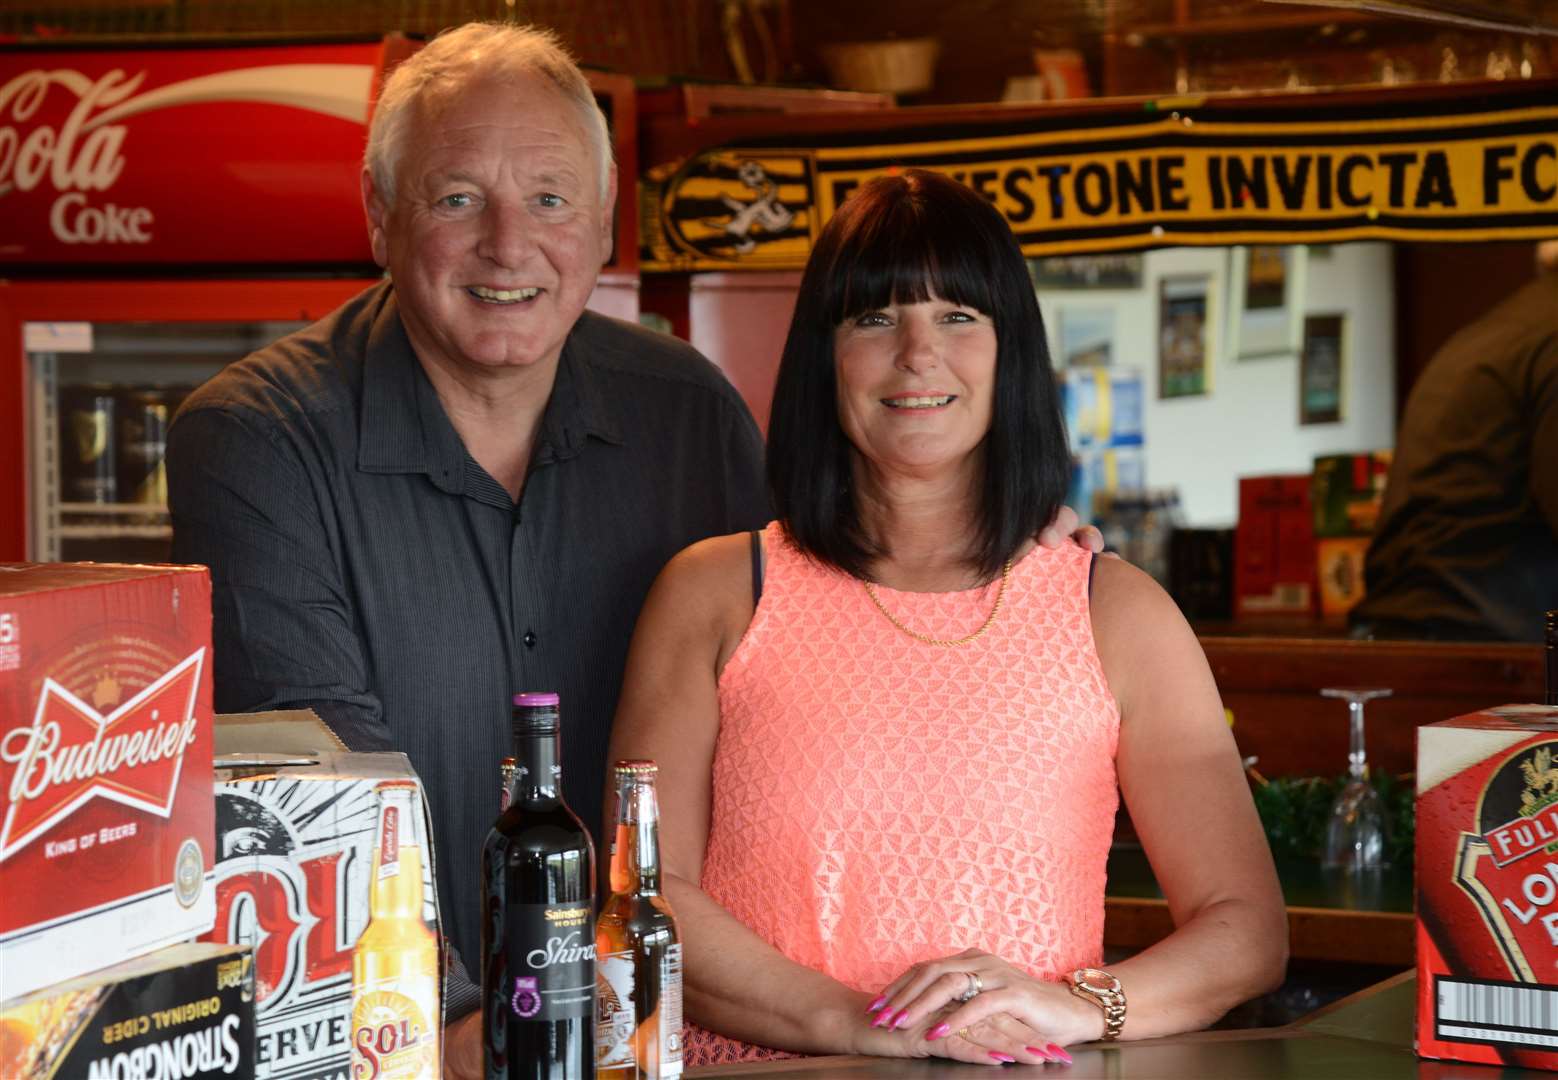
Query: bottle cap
[
  {"x": 535, "y": 714},
  {"x": 635, "y": 768}
]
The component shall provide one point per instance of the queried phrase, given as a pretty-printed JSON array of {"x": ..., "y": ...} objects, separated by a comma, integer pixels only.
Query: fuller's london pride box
[
  {"x": 1487, "y": 887},
  {"x": 106, "y": 832},
  {"x": 325, "y": 866},
  {"x": 186, "y": 1011}
]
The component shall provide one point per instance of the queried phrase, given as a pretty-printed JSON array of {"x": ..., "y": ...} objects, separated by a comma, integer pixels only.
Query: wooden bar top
[{"x": 1365, "y": 1037}]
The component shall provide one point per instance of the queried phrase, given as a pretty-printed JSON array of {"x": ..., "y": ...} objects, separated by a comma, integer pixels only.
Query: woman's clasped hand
[{"x": 976, "y": 1007}]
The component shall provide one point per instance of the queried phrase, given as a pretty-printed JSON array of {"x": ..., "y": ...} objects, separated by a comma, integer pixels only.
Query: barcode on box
[{"x": 1483, "y": 1011}]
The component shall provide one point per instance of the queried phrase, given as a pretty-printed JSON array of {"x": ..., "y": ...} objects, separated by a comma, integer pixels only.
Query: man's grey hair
[{"x": 464, "y": 53}]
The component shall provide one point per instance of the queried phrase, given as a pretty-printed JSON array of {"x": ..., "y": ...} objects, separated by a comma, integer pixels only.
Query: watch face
[{"x": 1100, "y": 981}]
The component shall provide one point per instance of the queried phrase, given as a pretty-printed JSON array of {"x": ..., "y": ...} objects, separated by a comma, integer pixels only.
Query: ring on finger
[
  {"x": 974, "y": 987},
  {"x": 962, "y": 1033}
]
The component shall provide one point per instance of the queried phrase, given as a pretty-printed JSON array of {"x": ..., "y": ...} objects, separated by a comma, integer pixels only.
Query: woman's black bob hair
[{"x": 902, "y": 239}]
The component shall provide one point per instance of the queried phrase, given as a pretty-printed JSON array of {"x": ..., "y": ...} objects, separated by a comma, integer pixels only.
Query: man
[
  {"x": 1467, "y": 542},
  {"x": 461, "y": 484}
]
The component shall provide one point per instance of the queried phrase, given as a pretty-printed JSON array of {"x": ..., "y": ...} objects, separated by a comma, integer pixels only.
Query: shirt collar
[
  {"x": 578, "y": 407},
  {"x": 404, "y": 428}
]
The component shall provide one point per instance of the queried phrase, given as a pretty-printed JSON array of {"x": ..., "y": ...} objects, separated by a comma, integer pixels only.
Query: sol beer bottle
[
  {"x": 638, "y": 1034},
  {"x": 395, "y": 983},
  {"x": 538, "y": 927}
]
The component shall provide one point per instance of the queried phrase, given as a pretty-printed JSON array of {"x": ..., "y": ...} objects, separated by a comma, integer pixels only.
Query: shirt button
[{"x": 530, "y": 639}]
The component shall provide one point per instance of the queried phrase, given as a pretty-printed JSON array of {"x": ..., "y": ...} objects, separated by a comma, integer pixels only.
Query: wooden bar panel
[{"x": 1273, "y": 687}]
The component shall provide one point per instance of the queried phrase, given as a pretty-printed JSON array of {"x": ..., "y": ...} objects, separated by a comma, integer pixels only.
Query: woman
[{"x": 890, "y": 734}]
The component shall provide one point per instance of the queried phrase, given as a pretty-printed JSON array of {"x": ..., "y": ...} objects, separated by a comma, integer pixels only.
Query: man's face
[{"x": 499, "y": 226}]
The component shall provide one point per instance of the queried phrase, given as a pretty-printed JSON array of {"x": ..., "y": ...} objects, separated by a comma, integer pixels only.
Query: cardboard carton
[
  {"x": 1487, "y": 887},
  {"x": 185, "y": 1011},
  {"x": 106, "y": 825}
]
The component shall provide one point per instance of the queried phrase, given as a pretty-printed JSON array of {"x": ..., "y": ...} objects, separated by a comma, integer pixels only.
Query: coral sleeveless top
[{"x": 878, "y": 801}]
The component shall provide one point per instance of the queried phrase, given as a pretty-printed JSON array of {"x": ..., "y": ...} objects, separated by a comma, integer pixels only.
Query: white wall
[{"x": 1248, "y": 423}]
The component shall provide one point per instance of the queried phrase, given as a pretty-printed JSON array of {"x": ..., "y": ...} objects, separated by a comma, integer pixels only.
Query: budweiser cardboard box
[
  {"x": 298, "y": 825},
  {"x": 1487, "y": 887},
  {"x": 105, "y": 766},
  {"x": 1274, "y": 547},
  {"x": 185, "y": 1011}
]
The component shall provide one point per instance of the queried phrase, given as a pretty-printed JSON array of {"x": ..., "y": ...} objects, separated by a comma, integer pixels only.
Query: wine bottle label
[
  {"x": 552, "y": 955},
  {"x": 614, "y": 1013}
]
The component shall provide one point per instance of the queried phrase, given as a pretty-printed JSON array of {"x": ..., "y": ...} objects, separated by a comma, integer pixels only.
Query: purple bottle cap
[{"x": 536, "y": 699}]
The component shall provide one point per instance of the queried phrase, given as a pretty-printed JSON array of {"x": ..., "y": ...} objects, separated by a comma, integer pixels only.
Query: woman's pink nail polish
[
  {"x": 937, "y": 1032},
  {"x": 1042, "y": 1055},
  {"x": 1004, "y": 1059},
  {"x": 901, "y": 1019},
  {"x": 1059, "y": 1053},
  {"x": 877, "y": 1004},
  {"x": 883, "y": 1018}
]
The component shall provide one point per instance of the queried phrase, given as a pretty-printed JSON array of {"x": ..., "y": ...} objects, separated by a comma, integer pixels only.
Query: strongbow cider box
[
  {"x": 1487, "y": 887},
  {"x": 297, "y": 830},
  {"x": 184, "y": 1012},
  {"x": 106, "y": 817}
]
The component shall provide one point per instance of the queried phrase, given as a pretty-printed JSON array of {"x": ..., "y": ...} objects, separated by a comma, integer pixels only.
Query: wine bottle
[{"x": 538, "y": 927}]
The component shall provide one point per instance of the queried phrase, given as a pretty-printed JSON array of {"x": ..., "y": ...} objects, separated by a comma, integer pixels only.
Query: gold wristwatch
[{"x": 1103, "y": 990}]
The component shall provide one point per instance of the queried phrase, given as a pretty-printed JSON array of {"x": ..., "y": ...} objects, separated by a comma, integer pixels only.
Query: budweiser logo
[{"x": 72, "y": 754}]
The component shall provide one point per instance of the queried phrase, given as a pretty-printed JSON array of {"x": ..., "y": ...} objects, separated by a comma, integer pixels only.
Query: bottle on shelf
[
  {"x": 395, "y": 970},
  {"x": 1552, "y": 657},
  {"x": 538, "y": 927},
  {"x": 637, "y": 946}
]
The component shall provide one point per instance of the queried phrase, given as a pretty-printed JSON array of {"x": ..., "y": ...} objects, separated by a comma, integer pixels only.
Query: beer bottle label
[
  {"x": 614, "y": 1017},
  {"x": 392, "y": 1037},
  {"x": 671, "y": 1013},
  {"x": 552, "y": 956}
]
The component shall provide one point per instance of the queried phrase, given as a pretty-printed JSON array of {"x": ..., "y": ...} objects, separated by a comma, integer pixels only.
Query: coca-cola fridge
[{"x": 167, "y": 211}]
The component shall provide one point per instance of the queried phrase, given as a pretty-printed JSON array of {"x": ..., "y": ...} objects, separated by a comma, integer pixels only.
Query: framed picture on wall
[
  {"x": 1120, "y": 271},
  {"x": 1086, "y": 336},
  {"x": 1266, "y": 301},
  {"x": 1184, "y": 335},
  {"x": 1321, "y": 369}
]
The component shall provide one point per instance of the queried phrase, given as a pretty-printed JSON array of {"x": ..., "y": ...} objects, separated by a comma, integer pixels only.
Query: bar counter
[{"x": 1364, "y": 1037}]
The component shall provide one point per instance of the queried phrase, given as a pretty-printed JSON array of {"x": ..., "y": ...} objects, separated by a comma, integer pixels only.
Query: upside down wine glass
[{"x": 1356, "y": 834}]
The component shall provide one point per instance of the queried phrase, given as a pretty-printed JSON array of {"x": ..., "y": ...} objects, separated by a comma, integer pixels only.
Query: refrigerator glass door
[{"x": 100, "y": 397}]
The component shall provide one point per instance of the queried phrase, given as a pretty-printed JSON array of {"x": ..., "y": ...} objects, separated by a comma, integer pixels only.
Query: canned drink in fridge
[
  {"x": 142, "y": 441},
  {"x": 87, "y": 459}
]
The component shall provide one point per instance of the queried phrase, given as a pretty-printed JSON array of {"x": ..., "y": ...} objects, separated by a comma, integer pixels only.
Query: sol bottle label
[
  {"x": 553, "y": 960},
  {"x": 391, "y": 1038}
]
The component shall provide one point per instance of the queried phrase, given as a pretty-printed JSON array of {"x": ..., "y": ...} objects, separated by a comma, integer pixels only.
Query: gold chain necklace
[{"x": 945, "y": 643}]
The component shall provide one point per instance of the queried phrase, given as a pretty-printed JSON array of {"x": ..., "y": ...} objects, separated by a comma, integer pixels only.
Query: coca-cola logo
[
  {"x": 85, "y": 153},
  {"x": 72, "y": 754}
]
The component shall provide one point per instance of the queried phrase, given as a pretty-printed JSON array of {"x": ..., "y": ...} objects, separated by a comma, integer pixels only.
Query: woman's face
[{"x": 916, "y": 384}]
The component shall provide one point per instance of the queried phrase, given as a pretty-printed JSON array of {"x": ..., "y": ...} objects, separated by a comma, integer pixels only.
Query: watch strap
[{"x": 1110, "y": 997}]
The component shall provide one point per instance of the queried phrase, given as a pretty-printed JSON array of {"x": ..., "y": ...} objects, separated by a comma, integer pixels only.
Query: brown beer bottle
[
  {"x": 638, "y": 1021},
  {"x": 1552, "y": 657},
  {"x": 395, "y": 985}
]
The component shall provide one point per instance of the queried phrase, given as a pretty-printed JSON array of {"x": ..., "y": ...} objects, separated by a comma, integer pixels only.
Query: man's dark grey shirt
[{"x": 364, "y": 565}]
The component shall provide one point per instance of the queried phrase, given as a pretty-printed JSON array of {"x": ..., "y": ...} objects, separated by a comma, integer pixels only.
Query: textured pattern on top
[{"x": 878, "y": 801}]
